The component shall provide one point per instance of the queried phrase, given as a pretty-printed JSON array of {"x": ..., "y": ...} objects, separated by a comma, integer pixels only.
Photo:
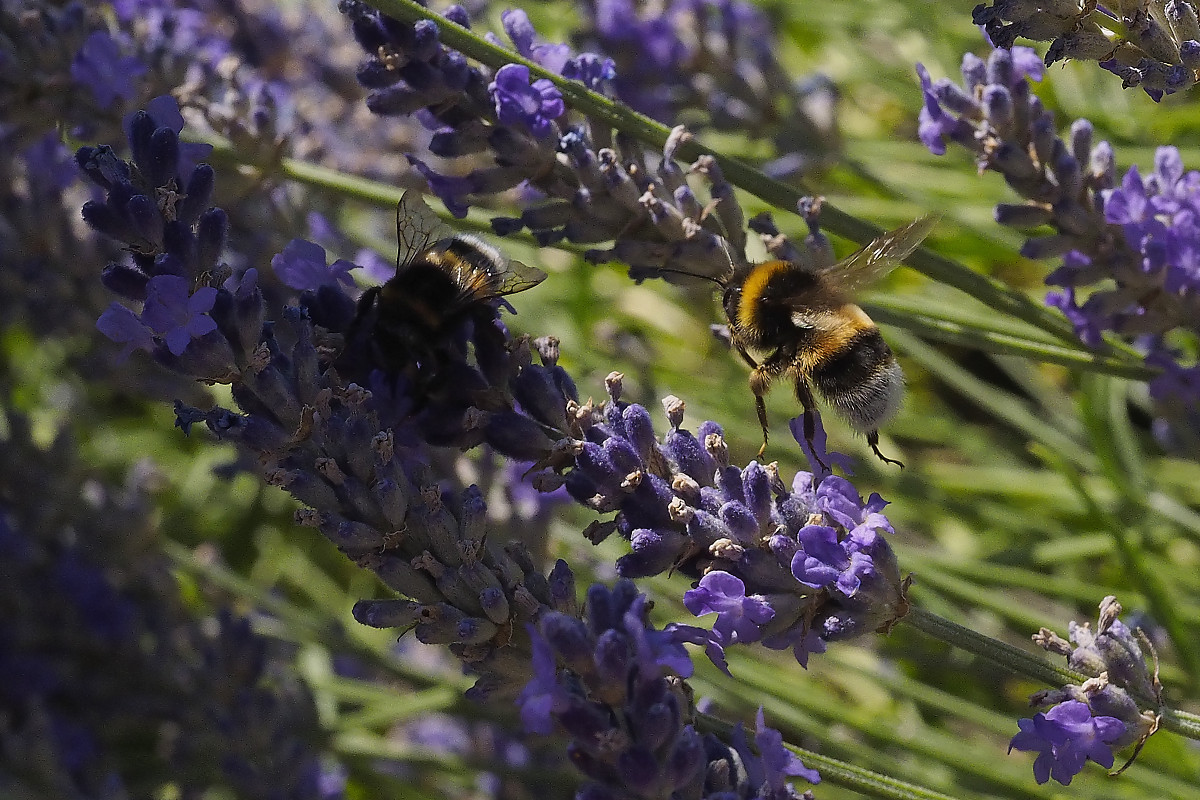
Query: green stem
[
  {"x": 776, "y": 193},
  {"x": 931, "y": 326},
  {"x": 1011, "y": 658}
]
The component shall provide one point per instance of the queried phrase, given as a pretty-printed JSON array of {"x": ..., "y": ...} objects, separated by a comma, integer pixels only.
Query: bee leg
[
  {"x": 873, "y": 440},
  {"x": 804, "y": 395},
  {"x": 760, "y": 381}
]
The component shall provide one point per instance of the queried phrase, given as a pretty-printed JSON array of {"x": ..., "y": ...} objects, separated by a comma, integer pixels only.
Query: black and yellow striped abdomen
[{"x": 860, "y": 379}]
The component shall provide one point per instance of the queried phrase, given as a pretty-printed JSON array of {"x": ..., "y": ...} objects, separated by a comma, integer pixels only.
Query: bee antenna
[{"x": 717, "y": 281}]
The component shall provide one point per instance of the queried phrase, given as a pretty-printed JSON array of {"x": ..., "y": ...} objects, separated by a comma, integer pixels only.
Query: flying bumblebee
[
  {"x": 411, "y": 324},
  {"x": 803, "y": 317}
]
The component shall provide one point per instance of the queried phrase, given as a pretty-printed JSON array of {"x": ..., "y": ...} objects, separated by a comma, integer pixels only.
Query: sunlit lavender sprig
[
  {"x": 703, "y": 63},
  {"x": 791, "y": 566},
  {"x": 1118, "y": 706},
  {"x": 1153, "y": 44},
  {"x": 1128, "y": 250},
  {"x": 614, "y": 684},
  {"x": 111, "y": 686},
  {"x": 590, "y": 188}
]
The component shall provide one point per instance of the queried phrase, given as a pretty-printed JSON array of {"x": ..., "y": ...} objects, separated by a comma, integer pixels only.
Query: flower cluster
[
  {"x": 613, "y": 684},
  {"x": 1128, "y": 249},
  {"x": 1154, "y": 44},
  {"x": 705, "y": 63},
  {"x": 98, "y": 651},
  {"x": 1091, "y": 720},
  {"x": 409, "y": 72},
  {"x": 591, "y": 190},
  {"x": 359, "y": 460},
  {"x": 794, "y": 567}
]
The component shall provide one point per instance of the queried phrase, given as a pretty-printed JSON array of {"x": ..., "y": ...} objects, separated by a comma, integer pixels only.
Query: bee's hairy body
[
  {"x": 801, "y": 317},
  {"x": 435, "y": 292},
  {"x": 811, "y": 332},
  {"x": 415, "y": 323},
  {"x": 414, "y": 319}
]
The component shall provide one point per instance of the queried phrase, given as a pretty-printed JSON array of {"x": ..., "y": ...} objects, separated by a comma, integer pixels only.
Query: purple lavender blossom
[
  {"x": 820, "y": 459},
  {"x": 1130, "y": 263},
  {"x": 123, "y": 327},
  {"x": 738, "y": 617},
  {"x": 518, "y": 102},
  {"x": 683, "y": 507},
  {"x": 1065, "y": 738},
  {"x": 361, "y": 464},
  {"x": 520, "y": 30},
  {"x": 713, "y": 64},
  {"x": 1156, "y": 51},
  {"x": 591, "y": 192},
  {"x": 302, "y": 265},
  {"x": 543, "y": 696},
  {"x": 626, "y": 718},
  {"x": 177, "y": 314},
  {"x": 1092, "y": 719},
  {"x": 102, "y": 68},
  {"x": 777, "y": 762},
  {"x": 823, "y": 562}
]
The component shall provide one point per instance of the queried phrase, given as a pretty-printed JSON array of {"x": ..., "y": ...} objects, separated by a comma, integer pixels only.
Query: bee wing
[
  {"x": 880, "y": 257},
  {"x": 517, "y": 277},
  {"x": 501, "y": 277},
  {"x": 417, "y": 227}
]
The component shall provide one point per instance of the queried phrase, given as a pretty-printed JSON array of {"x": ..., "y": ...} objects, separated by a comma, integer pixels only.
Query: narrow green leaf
[{"x": 1001, "y": 342}]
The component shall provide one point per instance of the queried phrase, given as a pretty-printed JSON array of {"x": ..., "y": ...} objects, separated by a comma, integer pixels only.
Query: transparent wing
[
  {"x": 516, "y": 277},
  {"x": 417, "y": 227},
  {"x": 499, "y": 278},
  {"x": 880, "y": 257}
]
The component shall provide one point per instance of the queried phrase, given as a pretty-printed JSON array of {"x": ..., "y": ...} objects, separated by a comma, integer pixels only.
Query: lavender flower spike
[
  {"x": 1091, "y": 720},
  {"x": 1128, "y": 250},
  {"x": 1065, "y": 738},
  {"x": 794, "y": 567},
  {"x": 613, "y": 684},
  {"x": 358, "y": 459},
  {"x": 1153, "y": 45}
]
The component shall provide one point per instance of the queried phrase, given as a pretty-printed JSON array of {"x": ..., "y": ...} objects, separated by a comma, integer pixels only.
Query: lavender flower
[
  {"x": 1065, "y": 738},
  {"x": 1127, "y": 250},
  {"x": 518, "y": 102},
  {"x": 738, "y": 616},
  {"x": 593, "y": 192},
  {"x": 795, "y": 568},
  {"x": 302, "y": 265},
  {"x": 714, "y": 64},
  {"x": 619, "y": 697},
  {"x": 1155, "y": 45},
  {"x": 1091, "y": 720},
  {"x": 359, "y": 459}
]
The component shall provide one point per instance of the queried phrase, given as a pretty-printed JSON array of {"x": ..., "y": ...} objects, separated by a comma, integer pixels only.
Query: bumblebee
[
  {"x": 413, "y": 325},
  {"x": 802, "y": 317}
]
